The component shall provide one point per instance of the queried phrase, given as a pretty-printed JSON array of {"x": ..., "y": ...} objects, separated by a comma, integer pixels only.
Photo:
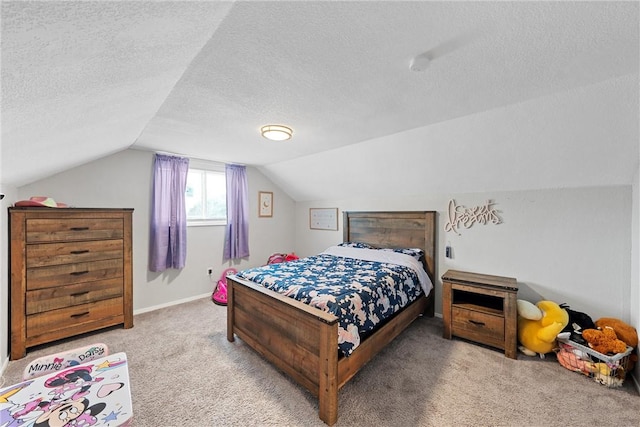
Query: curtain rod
[{"x": 168, "y": 153}]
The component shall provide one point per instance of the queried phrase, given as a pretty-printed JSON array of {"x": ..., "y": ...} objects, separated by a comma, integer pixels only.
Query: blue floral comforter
[{"x": 362, "y": 287}]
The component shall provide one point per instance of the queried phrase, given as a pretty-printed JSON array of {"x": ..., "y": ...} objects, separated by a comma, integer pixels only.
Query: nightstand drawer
[{"x": 477, "y": 326}]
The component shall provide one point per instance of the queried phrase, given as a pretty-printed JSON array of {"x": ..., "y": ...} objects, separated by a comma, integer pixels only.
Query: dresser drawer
[
  {"x": 73, "y": 229},
  {"x": 45, "y": 254},
  {"x": 67, "y": 274},
  {"x": 45, "y": 323},
  {"x": 47, "y": 299},
  {"x": 478, "y": 326}
]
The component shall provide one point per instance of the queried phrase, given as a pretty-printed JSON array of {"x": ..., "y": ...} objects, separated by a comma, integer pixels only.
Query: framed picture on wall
[
  {"x": 323, "y": 218},
  {"x": 265, "y": 204}
]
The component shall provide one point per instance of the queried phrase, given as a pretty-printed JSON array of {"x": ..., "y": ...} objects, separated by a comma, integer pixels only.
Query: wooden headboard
[{"x": 410, "y": 229}]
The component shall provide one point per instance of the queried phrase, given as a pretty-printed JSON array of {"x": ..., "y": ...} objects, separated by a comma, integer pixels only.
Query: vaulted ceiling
[{"x": 82, "y": 80}]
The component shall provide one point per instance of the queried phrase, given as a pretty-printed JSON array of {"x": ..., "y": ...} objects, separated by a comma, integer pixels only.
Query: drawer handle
[
  {"x": 79, "y": 228},
  {"x": 84, "y": 251},
  {"x": 80, "y": 314},
  {"x": 77, "y": 294},
  {"x": 475, "y": 322},
  {"x": 78, "y": 273}
]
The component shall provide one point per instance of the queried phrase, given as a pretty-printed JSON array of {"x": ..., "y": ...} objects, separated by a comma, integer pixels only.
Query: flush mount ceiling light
[{"x": 276, "y": 132}]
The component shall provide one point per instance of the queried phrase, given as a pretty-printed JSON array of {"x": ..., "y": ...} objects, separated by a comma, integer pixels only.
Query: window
[{"x": 206, "y": 194}]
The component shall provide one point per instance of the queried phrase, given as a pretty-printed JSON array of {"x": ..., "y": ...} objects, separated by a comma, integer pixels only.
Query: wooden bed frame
[{"x": 302, "y": 340}]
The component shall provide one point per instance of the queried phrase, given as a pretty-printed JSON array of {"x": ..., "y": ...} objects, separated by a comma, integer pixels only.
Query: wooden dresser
[
  {"x": 70, "y": 273},
  {"x": 481, "y": 308}
]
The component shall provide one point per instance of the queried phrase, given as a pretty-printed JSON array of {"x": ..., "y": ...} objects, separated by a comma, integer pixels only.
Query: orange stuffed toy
[
  {"x": 625, "y": 332},
  {"x": 604, "y": 340}
]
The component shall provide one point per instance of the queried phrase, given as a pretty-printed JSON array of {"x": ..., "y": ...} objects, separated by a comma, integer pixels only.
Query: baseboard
[
  {"x": 635, "y": 382},
  {"x": 169, "y": 304},
  {"x": 5, "y": 363}
]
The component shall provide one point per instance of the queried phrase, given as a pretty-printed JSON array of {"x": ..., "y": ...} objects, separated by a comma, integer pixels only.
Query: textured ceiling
[{"x": 81, "y": 80}]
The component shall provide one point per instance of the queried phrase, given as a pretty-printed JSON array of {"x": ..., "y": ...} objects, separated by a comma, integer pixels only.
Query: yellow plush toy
[{"x": 539, "y": 325}]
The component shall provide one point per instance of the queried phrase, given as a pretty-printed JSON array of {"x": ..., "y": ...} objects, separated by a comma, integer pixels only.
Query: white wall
[
  {"x": 9, "y": 196},
  {"x": 635, "y": 263},
  {"x": 570, "y": 245},
  {"x": 123, "y": 180}
]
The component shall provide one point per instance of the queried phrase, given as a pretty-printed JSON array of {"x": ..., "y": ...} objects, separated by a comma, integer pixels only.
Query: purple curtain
[
  {"x": 236, "y": 243},
  {"x": 168, "y": 237}
]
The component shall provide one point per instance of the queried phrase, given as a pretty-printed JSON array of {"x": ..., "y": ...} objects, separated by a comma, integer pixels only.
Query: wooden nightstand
[{"x": 481, "y": 308}]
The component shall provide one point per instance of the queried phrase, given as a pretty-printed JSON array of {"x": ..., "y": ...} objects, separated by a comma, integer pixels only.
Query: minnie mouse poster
[{"x": 83, "y": 396}]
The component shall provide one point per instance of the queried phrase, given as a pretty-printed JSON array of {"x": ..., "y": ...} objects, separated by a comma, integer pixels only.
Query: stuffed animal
[
  {"x": 624, "y": 332},
  {"x": 578, "y": 322},
  {"x": 604, "y": 340},
  {"x": 568, "y": 358},
  {"x": 539, "y": 325},
  {"x": 604, "y": 375}
]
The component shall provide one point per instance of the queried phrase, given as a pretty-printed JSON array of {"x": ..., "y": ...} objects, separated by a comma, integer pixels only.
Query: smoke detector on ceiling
[{"x": 420, "y": 63}]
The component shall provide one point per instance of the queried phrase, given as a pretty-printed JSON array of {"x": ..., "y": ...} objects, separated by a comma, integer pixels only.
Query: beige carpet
[{"x": 185, "y": 373}]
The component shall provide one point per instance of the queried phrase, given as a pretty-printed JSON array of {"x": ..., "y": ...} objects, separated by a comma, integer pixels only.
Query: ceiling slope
[
  {"x": 80, "y": 80},
  {"x": 585, "y": 137},
  {"x": 338, "y": 73}
]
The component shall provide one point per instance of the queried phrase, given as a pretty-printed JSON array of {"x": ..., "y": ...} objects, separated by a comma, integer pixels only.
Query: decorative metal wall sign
[{"x": 459, "y": 215}]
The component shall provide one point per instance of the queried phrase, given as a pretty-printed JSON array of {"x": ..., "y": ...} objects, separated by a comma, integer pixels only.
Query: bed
[{"x": 302, "y": 340}]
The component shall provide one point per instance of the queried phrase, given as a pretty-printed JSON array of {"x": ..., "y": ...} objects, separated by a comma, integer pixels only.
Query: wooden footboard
[
  {"x": 299, "y": 339},
  {"x": 303, "y": 341}
]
